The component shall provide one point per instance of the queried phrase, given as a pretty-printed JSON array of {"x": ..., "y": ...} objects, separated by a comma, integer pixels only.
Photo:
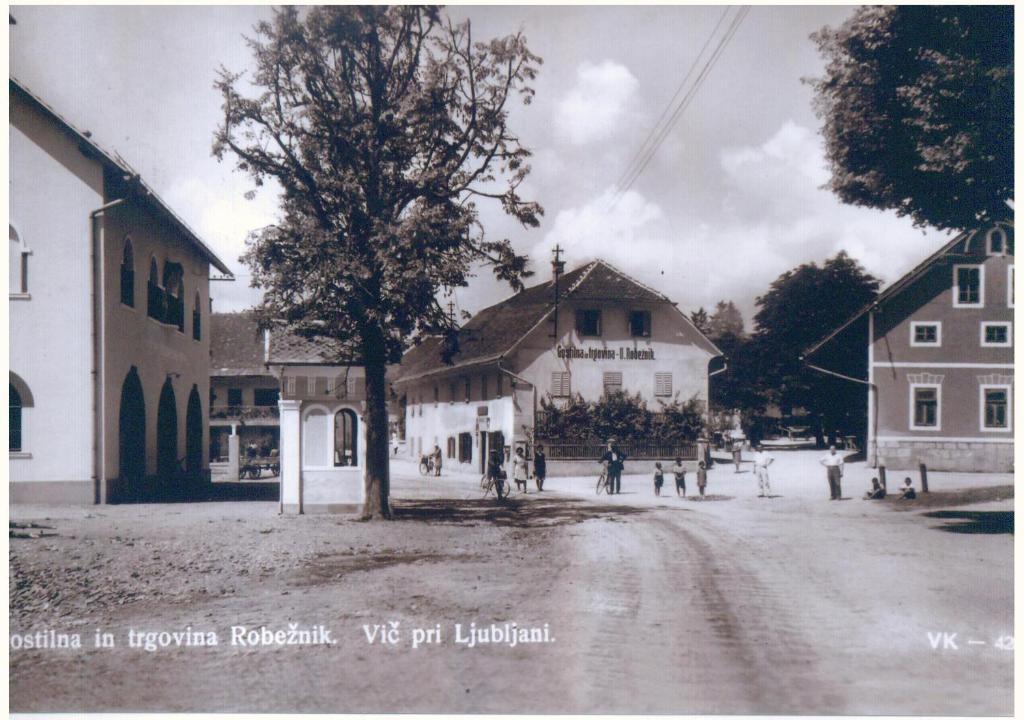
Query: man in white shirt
[
  {"x": 761, "y": 462},
  {"x": 833, "y": 463}
]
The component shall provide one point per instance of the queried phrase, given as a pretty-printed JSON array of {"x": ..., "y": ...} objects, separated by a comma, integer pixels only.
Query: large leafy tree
[
  {"x": 917, "y": 103},
  {"x": 802, "y": 306},
  {"x": 383, "y": 127}
]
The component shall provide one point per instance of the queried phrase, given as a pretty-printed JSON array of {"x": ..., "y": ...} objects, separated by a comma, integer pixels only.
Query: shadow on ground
[
  {"x": 951, "y": 498},
  {"x": 975, "y": 522},
  {"x": 513, "y": 512}
]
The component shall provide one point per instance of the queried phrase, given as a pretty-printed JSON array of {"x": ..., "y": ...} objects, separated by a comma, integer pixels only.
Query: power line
[
  {"x": 693, "y": 66},
  {"x": 702, "y": 76},
  {"x": 687, "y": 99}
]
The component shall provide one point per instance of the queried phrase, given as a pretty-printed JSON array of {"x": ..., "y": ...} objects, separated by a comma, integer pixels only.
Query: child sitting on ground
[
  {"x": 659, "y": 478},
  {"x": 877, "y": 492},
  {"x": 702, "y": 477},
  {"x": 680, "y": 473},
  {"x": 908, "y": 492}
]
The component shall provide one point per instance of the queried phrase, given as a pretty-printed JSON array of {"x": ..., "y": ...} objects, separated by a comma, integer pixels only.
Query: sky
[{"x": 731, "y": 199}]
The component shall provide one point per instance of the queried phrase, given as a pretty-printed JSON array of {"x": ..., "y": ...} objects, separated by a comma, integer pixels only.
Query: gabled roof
[
  {"x": 495, "y": 331},
  {"x": 117, "y": 164},
  {"x": 236, "y": 345},
  {"x": 287, "y": 348},
  {"x": 904, "y": 282}
]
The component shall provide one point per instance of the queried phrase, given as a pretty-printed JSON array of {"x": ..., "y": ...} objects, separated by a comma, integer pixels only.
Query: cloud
[
  {"x": 221, "y": 214},
  {"x": 595, "y": 107},
  {"x": 771, "y": 217}
]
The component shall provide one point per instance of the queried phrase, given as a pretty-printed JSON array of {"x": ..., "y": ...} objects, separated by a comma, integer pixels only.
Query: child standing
[
  {"x": 680, "y": 473},
  {"x": 702, "y": 477},
  {"x": 659, "y": 479}
]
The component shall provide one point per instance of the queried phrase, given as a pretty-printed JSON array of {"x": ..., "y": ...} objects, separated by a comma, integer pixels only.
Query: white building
[
  {"x": 323, "y": 436},
  {"x": 109, "y": 332},
  {"x": 607, "y": 333}
]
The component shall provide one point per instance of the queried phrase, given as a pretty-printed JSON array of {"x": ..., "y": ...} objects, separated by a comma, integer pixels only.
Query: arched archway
[
  {"x": 167, "y": 434},
  {"x": 194, "y": 434},
  {"x": 132, "y": 434}
]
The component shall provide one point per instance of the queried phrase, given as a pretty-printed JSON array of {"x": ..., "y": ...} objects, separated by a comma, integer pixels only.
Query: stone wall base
[
  {"x": 69, "y": 492},
  {"x": 949, "y": 456}
]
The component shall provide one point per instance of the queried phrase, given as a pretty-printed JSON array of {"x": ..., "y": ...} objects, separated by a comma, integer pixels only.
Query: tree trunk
[{"x": 378, "y": 479}]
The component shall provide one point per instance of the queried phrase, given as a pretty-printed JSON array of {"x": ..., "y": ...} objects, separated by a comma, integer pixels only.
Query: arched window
[
  {"x": 996, "y": 241},
  {"x": 20, "y": 401},
  {"x": 155, "y": 294},
  {"x": 128, "y": 274},
  {"x": 174, "y": 295},
  {"x": 346, "y": 451},
  {"x": 197, "y": 319},
  {"x": 14, "y": 442},
  {"x": 314, "y": 438},
  {"x": 18, "y": 257}
]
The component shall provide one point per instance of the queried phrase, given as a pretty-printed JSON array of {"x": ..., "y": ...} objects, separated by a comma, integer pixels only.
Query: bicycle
[
  {"x": 602, "y": 483},
  {"x": 427, "y": 466},
  {"x": 500, "y": 488}
]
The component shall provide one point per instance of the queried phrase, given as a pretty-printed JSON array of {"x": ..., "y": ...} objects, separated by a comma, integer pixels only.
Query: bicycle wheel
[
  {"x": 502, "y": 489},
  {"x": 602, "y": 484},
  {"x": 424, "y": 468},
  {"x": 483, "y": 482}
]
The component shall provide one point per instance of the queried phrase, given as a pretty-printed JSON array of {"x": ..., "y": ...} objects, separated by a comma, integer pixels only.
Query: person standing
[
  {"x": 615, "y": 460},
  {"x": 702, "y": 477},
  {"x": 437, "y": 460},
  {"x": 519, "y": 473},
  {"x": 833, "y": 463},
  {"x": 761, "y": 462},
  {"x": 540, "y": 467},
  {"x": 737, "y": 453},
  {"x": 659, "y": 479},
  {"x": 679, "y": 470}
]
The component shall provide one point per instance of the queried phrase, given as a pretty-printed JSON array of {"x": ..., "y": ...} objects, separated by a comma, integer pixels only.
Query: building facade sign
[{"x": 572, "y": 352}]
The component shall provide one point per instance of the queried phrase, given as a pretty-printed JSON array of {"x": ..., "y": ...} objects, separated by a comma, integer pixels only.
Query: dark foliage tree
[
  {"x": 917, "y": 103},
  {"x": 676, "y": 421},
  {"x": 802, "y": 306},
  {"x": 726, "y": 320},
  {"x": 382, "y": 126},
  {"x": 699, "y": 318}
]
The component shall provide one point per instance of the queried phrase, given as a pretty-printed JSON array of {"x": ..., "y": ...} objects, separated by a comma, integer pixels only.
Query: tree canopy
[
  {"x": 800, "y": 307},
  {"x": 383, "y": 127},
  {"x": 917, "y": 103}
]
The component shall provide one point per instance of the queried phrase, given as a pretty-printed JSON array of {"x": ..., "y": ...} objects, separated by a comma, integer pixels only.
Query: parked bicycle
[
  {"x": 602, "y": 482},
  {"x": 499, "y": 486},
  {"x": 427, "y": 465}
]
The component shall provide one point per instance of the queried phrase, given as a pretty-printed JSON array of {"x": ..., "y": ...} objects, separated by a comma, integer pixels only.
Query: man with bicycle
[{"x": 614, "y": 459}]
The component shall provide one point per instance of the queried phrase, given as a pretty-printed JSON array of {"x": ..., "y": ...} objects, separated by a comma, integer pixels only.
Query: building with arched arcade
[{"x": 109, "y": 323}]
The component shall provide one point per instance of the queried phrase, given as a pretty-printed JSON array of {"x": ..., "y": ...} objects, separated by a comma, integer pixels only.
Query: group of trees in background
[
  {"x": 619, "y": 415},
  {"x": 764, "y": 368}
]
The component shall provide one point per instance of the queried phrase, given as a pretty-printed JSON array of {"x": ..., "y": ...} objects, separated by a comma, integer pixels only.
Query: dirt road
[{"x": 665, "y": 605}]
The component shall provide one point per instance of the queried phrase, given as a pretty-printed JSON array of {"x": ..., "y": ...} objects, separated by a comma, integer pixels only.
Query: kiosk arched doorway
[
  {"x": 131, "y": 437},
  {"x": 166, "y": 438}
]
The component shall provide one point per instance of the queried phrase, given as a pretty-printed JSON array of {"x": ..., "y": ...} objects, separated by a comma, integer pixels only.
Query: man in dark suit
[{"x": 614, "y": 458}]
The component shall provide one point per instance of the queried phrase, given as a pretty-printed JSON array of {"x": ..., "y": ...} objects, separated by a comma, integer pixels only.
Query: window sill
[
  {"x": 19, "y": 296},
  {"x": 19, "y": 455},
  {"x": 126, "y": 306}
]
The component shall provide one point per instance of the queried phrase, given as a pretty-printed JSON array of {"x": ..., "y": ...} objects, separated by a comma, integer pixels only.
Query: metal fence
[
  {"x": 635, "y": 450},
  {"x": 245, "y": 412}
]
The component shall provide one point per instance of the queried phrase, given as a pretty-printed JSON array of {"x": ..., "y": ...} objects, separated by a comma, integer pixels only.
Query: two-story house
[
  {"x": 598, "y": 332},
  {"x": 939, "y": 371},
  {"x": 109, "y": 323}
]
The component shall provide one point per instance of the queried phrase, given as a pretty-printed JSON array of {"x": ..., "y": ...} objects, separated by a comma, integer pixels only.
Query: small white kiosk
[{"x": 323, "y": 438}]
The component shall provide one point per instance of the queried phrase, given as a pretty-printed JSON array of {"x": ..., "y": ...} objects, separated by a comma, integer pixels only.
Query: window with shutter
[
  {"x": 612, "y": 382},
  {"x": 663, "y": 384},
  {"x": 560, "y": 384}
]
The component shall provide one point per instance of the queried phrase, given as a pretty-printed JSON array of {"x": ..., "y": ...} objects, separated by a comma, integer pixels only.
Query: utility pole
[
  {"x": 451, "y": 313},
  {"x": 557, "y": 268}
]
